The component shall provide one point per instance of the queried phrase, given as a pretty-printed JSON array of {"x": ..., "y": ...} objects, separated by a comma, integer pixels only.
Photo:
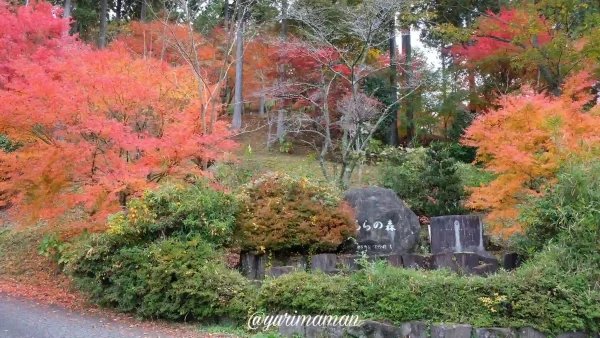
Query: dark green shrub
[
  {"x": 161, "y": 258},
  {"x": 171, "y": 278},
  {"x": 426, "y": 179},
  {"x": 462, "y": 120},
  {"x": 444, "y": 184},
  {"x": 284, "y": 213}
]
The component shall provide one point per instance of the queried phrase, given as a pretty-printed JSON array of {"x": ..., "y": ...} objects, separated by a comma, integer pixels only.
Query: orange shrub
[
  {"x": 525, "y": 142},
  {"x": 283, "y": 213}
]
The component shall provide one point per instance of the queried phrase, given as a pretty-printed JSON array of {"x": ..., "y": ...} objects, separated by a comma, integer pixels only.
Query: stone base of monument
[
  {"x": 256, "y": 267},
  {"x": 298, "y": 261},
  {"x": 252, "y": 266},
  {"x": 415, "y": 329},
  {"x": 466, "y": 262},
  {"x": 511, "y": 261},
  {"x": 412, "y": 261},
  {"x": 276, "y": 271}
]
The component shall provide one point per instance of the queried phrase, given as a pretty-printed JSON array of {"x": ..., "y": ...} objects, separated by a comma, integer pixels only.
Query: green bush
[
  {"x": 285, "y": 213},
  {"x": 425, "y": 178},
  {"x": 567, "y": 215},
  {"x": 472, "y": 176},
  {"x": 531, "y": 297},
  {"x": 176, "y": 210},
  {"x": 171, "y": 278},
  {"x": 161, "y": 258}
]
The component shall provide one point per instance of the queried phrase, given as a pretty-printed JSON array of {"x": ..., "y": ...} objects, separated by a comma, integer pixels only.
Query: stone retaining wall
[
  {"x": 372, "y": 329},
  {"x": 257, "y": 267}
]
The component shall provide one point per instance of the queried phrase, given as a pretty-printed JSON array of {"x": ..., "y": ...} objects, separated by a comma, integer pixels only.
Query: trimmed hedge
[{"x": 533, "y": 297}]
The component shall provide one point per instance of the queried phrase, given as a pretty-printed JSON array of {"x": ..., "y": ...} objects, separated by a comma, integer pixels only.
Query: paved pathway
[{"x": 21, "y": 318}]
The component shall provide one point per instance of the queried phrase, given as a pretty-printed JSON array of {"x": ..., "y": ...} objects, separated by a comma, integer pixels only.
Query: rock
[
  {"x": 487, "y": 257},
  {"x": 394, "y": 260},
  {"x": 253, "y": 266},
  {"x": 349, "y": 262},
  {"x": 248, "y": 265},
  {"x": 414, "y": 330},
  {"x": 511, "y": 261},
  {"x": 495, "y": 332},
  {"x": 457, "y": 233},
  {"x": 292, "y": 330},
  {"x": 486, "y": 269},
  {"x": 416, "y": 261},
  {"x": 451, "y": 331},
  {"x": 385, "y": 223},
  {"x": 323, "y": 262},
  {"x": 467, "y": 261},
  {"x": 572, "y": 335},
  {"x": 276, "y": 271},
  {"x": 261, "y": 265},
  {"x": 528, "y": 332},
  {"x": 325, "y": 331},
  {"x": 372, "y": 329},
  {"x": 444, "y": 260},
  {"x": 296, "y": 260}
]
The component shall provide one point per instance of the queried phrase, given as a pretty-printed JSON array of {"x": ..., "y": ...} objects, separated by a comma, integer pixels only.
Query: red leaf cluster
[{"x": 97, "y": 126}]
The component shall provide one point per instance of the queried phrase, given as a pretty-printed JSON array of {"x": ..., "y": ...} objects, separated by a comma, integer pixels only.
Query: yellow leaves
[{"x": 492, "y": 303}]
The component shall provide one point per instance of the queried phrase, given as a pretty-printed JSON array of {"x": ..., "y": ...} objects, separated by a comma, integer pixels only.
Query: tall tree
[
  {"x": 408, "y": 84},
  {"x": 103, "y": 24},
  {"x": 281, "y": 72},
  {"x": 238, "y": 101},
  {"x": 393, "y": 128},
  {"x": 144, "y": 11},
  {"x": 67, "y": 11}
]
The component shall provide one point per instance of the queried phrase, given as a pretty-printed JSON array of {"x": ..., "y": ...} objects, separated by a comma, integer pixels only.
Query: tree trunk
[
  {"x": 238, "y": 103},
  {"x": 144, "y": 11},
  {"x": 261, "y": 106},
  {"x": 226, "y": 15},
  {"x": 103, "y": 23},
  {"x": 119, "y": 9},
  {"x": 472, "y": 90},
  {"x": 544, "y": 71},
  {"x": 407, "y": 51},
  {"x": 281, "y": 73},
  {"x": 67, "y": 12},
  {"x": 393, "y": 128}
]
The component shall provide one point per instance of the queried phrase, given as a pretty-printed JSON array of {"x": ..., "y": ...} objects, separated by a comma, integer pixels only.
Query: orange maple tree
[
  {"x": 97, "y": 126},
  {"x": 524, "y": 143}
]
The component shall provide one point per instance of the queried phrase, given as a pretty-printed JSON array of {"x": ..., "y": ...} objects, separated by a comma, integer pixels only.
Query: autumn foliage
[
  {"x": 283, "y": 213},
  {"x": 501, "y": 34},
  {"x": 97, "y": 126},
  {"x": 525, "y": 142}
]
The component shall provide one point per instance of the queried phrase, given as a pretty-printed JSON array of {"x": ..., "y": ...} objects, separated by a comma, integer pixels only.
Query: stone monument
[
  {"x": 457, "y": 233},
  {"x": 385, "y": 225}
]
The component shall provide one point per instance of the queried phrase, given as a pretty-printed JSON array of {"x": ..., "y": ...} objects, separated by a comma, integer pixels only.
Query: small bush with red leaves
[{"x": 284, "y": 213}]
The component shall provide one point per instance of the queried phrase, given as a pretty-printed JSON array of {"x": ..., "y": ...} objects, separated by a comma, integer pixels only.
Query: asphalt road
[{"x": 21, "y": 318}]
